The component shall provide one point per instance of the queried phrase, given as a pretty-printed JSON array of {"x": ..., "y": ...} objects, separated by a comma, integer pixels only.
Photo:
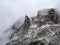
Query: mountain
[{"x": 43, "y": 29}]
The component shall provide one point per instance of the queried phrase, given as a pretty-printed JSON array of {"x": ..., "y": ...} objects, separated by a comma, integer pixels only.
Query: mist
[{"x": 11, "y": 10}]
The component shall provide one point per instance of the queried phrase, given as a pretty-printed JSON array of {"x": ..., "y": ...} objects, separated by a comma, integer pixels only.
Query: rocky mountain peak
[{"x": 44, "y": 29}]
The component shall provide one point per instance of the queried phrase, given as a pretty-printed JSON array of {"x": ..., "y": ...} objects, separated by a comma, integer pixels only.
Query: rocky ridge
[{"x": 44, "y": 29}]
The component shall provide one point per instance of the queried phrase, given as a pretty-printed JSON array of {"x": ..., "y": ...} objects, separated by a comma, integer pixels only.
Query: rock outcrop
[{"x": 44, "y": 29}]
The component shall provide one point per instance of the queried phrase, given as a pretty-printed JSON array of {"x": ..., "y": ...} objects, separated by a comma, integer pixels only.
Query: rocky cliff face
[{"x": 44, "y": 29}]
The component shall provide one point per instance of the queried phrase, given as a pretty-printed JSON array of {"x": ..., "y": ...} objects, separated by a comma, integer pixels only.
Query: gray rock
[{"x": 41, "y": 31}]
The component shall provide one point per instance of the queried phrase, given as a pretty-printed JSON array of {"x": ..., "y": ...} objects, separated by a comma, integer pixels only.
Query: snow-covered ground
[{"x": 11, "y": 10}]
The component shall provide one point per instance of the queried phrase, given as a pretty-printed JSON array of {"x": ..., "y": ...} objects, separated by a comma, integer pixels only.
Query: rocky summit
[{"x": 43, "y": 29}]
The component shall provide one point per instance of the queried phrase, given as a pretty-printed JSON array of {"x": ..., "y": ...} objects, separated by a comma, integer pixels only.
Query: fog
[{"x": 11, "y": 10}]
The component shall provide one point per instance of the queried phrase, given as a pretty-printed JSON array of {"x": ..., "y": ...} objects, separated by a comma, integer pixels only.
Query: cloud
[{"x": 11, "y": 10}]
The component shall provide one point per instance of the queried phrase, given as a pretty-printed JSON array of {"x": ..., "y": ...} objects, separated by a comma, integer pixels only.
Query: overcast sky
[{"x": 11, "y": 10}]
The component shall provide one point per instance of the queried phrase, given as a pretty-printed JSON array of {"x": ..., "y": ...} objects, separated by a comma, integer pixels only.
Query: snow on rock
[{"x": 46, "y": 32}]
